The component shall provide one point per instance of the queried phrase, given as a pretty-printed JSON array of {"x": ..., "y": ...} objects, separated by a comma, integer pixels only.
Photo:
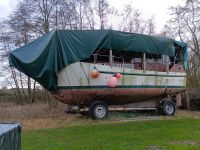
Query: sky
[
  {"x": 148, "y": 8},
  {"x": 6, "y": 6}
]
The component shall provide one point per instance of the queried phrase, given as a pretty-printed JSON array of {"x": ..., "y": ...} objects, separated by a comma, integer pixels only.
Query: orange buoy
[
  {"x": 112, "y": 81},
  {"x": 94, "y": 73}
]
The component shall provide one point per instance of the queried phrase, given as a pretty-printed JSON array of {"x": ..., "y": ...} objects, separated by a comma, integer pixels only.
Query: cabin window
[
  {"x": 100, "y": 56},
  {"x": 178, "y": 58},
  {"x": 136, "y": 60}
]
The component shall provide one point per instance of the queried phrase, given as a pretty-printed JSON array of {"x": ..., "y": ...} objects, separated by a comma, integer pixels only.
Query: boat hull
[
  {"x": 113, "y": 96},
  {"x": 77, "y": 87}
]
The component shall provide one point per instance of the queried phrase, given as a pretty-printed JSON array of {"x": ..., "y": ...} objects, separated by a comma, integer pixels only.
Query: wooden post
[
  {"x": 144, "y": 62},
  {"x": 95, "y": 58},
  {"x": 111, "y": 59},
  {"x": 167, "y": 67},
  {"x": 187, "y": 98}
]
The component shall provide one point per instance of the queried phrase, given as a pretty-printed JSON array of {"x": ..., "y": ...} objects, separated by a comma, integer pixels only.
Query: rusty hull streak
[{"x": 83, "y": 97}]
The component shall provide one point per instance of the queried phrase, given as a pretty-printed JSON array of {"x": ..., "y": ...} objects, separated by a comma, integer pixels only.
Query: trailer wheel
[
  {"x": 168, "y": 108},
  {"x": 98, "y": 110}
]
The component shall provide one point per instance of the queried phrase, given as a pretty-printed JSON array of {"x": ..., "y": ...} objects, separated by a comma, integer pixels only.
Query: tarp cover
[
  {"x": 43, "y": 58},
  {"x": 10, "y": 136}
]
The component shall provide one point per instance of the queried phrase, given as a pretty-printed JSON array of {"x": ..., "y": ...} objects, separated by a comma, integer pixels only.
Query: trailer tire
[
  {"x": 168, "y": 108},
  {"x": 98, "y": 110}
]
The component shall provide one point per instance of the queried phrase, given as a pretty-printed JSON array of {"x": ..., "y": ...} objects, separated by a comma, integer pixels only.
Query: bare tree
[
  {"x": 17, "y": 33},
  {"x": 132, "y": 20},
  {"x": 150, "y": 26},
  {"x": 184, "y": 24},
  {"x": 20, "y": 21},
  {"x": 45, "y": 8},
  {"x": 103, "y": 10},
  {"x": 89, "y": 12}
]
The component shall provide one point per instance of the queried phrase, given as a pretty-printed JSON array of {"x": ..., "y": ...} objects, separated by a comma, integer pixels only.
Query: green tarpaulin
[{"x": 43, "y": 58}]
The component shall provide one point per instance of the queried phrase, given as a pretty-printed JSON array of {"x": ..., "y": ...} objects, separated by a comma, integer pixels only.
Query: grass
[{"x": 174, "y": 134}]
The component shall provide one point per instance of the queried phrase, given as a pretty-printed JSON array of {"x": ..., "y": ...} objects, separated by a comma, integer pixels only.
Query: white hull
[
  {"x": 78, "y": 74},
  {"x": 77, "y": 87}
]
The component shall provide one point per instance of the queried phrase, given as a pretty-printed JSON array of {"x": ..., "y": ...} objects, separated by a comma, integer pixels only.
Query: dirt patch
[
  {"x": 39, "y": 116},
  {"x": 185, "y": 113},
  {"x": 152, "y": 147},
  {"x": 187, "y": 142},
  {"x": 29, "y": 111},
  {"x": 48, "y": 122}
]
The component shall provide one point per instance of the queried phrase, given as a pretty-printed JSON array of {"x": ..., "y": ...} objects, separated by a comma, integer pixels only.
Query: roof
[{"x": 43, "y": 58}]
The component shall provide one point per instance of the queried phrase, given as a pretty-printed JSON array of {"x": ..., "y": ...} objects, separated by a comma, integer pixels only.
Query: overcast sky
[
  {"x": 6, "y": 6},
  {"x": 158, "y": 8}
]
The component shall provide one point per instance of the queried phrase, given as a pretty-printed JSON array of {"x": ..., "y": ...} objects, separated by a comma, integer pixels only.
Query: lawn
[{"x": 173, "y": 134}]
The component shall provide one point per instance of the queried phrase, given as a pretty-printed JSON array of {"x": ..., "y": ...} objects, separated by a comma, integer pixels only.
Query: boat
[{"x": 102, "y": 68}]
